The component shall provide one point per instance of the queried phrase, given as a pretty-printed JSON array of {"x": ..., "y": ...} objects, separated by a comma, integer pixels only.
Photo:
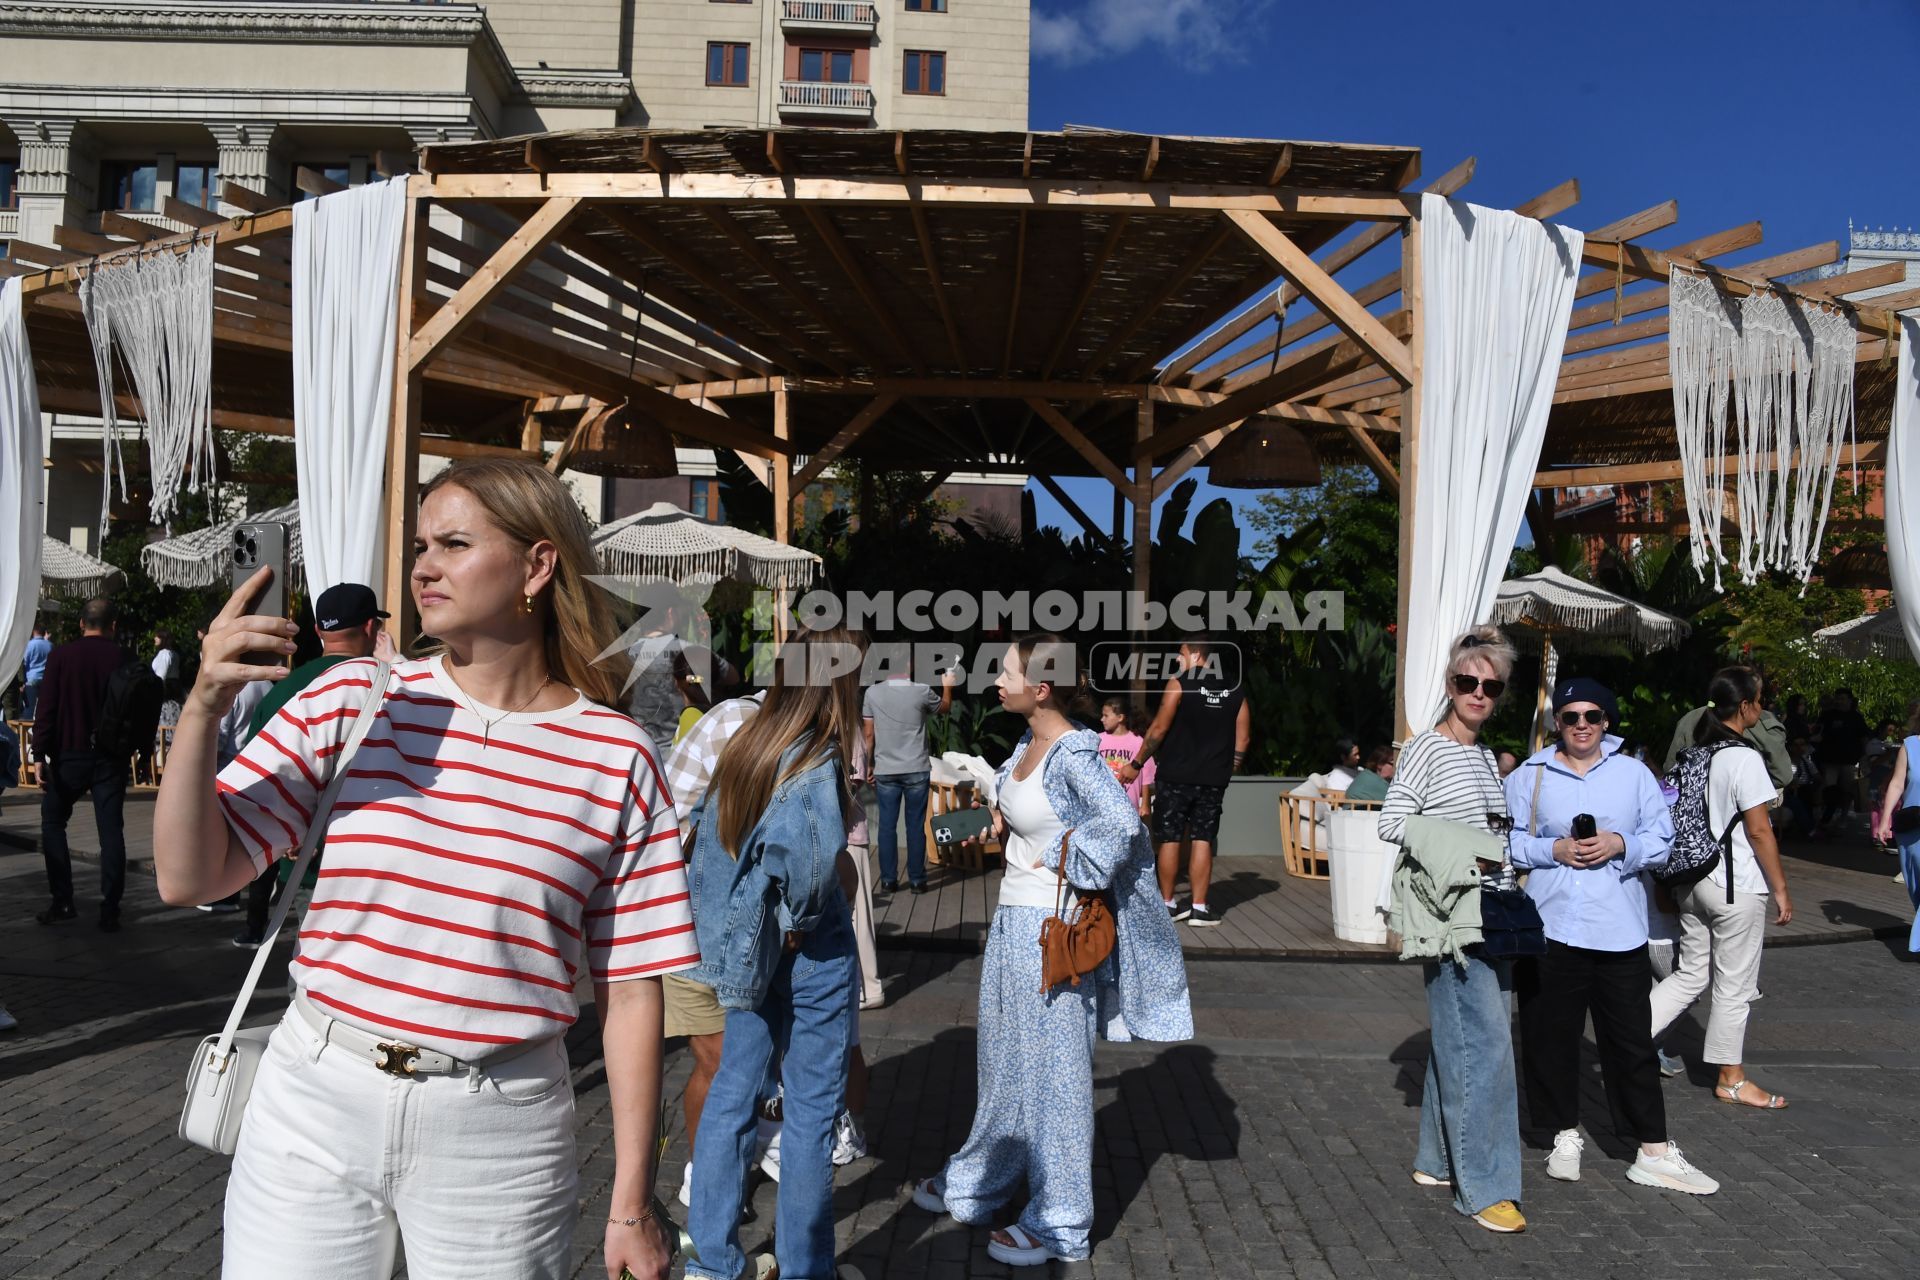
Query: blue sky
[{"x": 1799, "y": 114}]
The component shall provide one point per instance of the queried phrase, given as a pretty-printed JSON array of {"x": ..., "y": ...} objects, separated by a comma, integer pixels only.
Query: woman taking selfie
[
  {"x": 776, "y": 935},
  {"x": 1034, "y": 1119},
  {"x": 499, "y": 829},
  {"x": 1470, "y": 1109},
  {"x": 1587, "y": 820}
]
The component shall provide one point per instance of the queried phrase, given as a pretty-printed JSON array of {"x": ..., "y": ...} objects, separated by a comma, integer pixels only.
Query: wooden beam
[
  {"x": 1556, "y": 200},
  {"x": 843, "y": 440},
  {"x": 1081, "y": 445},
  {"x": 512, "y": 257},
  {"x": 1639, "y": 224},
  {"x": 1174, "y": 284},
  {"x": 930, "y": 260},
  {"x": 808, "y": 297},
  {"x": 1409, "y": 475},
  {"x": 402, "y": 496},
  {"x": 1189, "y": 458},
  {"x": 1092, "y": 282},
  {"x": 1019, "y": 273},
  {"x": 849, "y": 264},
  {"x": 1072, "y": 508},
  {"x": 1142, "y": 496},
  {"x": 785, "y": 187},
  {"x": 1325, "y": 292},
  {"x": 1281, "y": 164},
  {"x": 120, "y": 224},
  {"x": 1651, "y": 264},
  {"x": 783, "y": 465},
  {"x": 228, "y": 231},
  {"x": 1831, "y": 287},
  {"x": 1869, "y": 454}
]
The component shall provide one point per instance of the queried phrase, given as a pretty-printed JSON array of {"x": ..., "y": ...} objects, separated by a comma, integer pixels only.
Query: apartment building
[{"x": 124, "y": 105}]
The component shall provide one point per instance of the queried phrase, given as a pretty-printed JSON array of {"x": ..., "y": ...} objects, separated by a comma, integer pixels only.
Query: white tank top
[{"x": 1033, "y": 828}]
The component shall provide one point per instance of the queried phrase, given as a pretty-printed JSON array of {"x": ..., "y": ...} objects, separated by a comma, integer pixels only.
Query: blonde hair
[
  {"x": 1489, "y": 644},
  {"x": 529, "y": 505},
  {"x": 806, "y": 705}
]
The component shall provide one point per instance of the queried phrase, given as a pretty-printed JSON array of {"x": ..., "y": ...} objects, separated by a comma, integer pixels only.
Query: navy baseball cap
[
  {"x": 1583, "y": 689},
  {"x": 345, "y": 605}
]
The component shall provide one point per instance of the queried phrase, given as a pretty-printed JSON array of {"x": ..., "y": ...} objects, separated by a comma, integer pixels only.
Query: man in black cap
[{"x": 347, "y": 619}]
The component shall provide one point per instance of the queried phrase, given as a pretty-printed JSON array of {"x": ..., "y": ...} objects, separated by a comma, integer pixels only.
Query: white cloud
[{"x": 1194, "y": 32}]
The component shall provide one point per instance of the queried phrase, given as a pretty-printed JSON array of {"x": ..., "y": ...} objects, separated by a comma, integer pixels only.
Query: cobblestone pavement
[{"x": 1276, "y": 1144}]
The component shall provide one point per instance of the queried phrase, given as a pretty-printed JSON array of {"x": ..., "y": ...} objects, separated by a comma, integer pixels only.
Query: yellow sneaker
[{"x": 1503, "y": 1217}]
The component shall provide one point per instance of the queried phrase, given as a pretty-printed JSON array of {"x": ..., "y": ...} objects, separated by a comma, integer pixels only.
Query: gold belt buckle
[{"x": 396, "y": 1059}]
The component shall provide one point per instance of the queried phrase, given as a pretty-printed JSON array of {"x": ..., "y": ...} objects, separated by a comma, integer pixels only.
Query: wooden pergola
[{"x": 1046, "y": 303}]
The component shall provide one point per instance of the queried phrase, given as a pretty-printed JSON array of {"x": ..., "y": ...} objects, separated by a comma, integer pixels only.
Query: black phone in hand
[{"x": 1583, "y": 826}]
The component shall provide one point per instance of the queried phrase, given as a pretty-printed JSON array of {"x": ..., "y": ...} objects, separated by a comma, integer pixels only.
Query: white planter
[{"x": 1358, "y": 860}]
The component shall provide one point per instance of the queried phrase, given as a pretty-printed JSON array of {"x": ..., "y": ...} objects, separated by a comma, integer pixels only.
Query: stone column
[
  {"x": 257, "y": 156},
  {"x": 58, "y": 171}
]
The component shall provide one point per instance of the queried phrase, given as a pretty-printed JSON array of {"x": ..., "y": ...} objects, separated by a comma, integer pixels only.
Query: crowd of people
[{"x": 519, "y": 813}]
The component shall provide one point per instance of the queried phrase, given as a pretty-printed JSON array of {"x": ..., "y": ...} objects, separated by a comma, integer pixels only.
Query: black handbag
[
  {"x": 1907, "y": 819},
  {"x": 1510, "y": 924}
]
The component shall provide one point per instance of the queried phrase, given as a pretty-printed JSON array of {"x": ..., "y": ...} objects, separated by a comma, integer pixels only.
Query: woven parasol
[
  {"x": 1877, "y": 635},
  {"x": 205, "y": 556},
  {"x": 66, "y": 571},
  {"x": 664, "y": 541},
  {"x": 1562, "y": 612}
]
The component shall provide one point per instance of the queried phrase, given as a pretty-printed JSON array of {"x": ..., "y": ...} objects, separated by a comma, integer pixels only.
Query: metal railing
[
  {"x": 834, "y": 12},
  {"x": 825, "y": 95}
]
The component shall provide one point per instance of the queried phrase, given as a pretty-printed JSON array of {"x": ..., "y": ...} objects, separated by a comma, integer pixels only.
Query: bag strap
[
  {"x": 316, "y": 830},
  {"x": 1533, "y": 810},
  {"x": 1060, "y": 880}
]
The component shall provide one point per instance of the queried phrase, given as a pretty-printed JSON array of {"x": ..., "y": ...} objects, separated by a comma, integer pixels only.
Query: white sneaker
[
  {"x": 7, "y": 1021},
  {"x": 770, "y": 1158},
  {"x": 1564, "y": 1163},
  {"x": 1671, "y": 1064},
  {"x": 849, "y": 1144},
  {"x": 686, "y": 1186},
  {"x": 1672, "y": 1171}
]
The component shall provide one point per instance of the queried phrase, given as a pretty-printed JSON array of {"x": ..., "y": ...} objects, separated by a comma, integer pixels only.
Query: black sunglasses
[
  {"x": 1467, "y": 684},
  {"x": 1499, "y": 824},
  {"x": 1572, "y": 718}
]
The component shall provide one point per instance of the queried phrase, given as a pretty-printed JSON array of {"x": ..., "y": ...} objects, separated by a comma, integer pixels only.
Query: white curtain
[
  {"x": 1498, "y": 290},
  {"x": 22, "y": 482},
  {"x": 1903, "y": 485},
  {"x": 346, "y": 276}
]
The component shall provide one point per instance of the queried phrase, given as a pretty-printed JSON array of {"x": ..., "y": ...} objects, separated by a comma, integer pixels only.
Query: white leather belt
[{"x": 395, "y": 1057}]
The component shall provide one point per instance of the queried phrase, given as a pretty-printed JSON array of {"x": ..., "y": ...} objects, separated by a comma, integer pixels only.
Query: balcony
[
  {"x": 825, "y": 98},
  {"x": 845, "y": 17}
]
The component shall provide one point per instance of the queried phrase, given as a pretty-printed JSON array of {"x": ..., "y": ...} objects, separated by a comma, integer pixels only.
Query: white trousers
[
  {"x": 869, "y": 989},
  {"x": 339, "y": 1163},
  {"x": 1720, "y": 942}
]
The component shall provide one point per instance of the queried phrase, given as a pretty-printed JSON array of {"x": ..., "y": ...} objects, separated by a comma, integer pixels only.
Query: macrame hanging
[
  {"x": 1784, "y": 366},
  {"x": 155, "y": 311}
]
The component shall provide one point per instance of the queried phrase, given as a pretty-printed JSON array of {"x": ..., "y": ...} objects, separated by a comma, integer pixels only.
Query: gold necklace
[{"x": 486, "y": 725}]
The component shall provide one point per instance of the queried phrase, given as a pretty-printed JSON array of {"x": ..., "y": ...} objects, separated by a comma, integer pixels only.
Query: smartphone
[
  {"x": 961, "y": 824},
  {"x": 1583, "y": 827},
  {"x": 256, "y": 543}
]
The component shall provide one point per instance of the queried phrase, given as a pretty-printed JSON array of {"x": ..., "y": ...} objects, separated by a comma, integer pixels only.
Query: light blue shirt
[
  {"x": 1601, "y": 908},
  {"x": 36, "y": 659}
]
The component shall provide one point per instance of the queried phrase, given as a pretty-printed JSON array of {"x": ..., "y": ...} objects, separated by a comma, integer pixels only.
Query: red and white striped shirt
[{"x": 466, "y": 872}]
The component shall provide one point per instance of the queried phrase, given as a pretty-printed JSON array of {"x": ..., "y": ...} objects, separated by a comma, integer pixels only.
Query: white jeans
[
  {"x": 339, "y": 1162},
  {"x": 1723, "y": 942}
]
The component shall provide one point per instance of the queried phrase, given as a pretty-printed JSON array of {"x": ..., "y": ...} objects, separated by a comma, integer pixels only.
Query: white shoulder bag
[{"x": 220, "y": 1076}]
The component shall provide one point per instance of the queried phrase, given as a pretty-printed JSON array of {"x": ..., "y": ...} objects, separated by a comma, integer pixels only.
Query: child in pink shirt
[{"x": 1118, "y": 745}]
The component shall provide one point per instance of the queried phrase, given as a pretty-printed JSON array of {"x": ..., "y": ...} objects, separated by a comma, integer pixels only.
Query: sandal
[
  {"x": 1730, "y": 1093},
  {"x": 1023, "y": 1252},
  {"x": 927, "y": 1197}
]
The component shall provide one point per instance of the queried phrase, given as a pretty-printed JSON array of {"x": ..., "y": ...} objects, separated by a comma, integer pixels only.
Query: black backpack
[
  {"x": 130, "y": 712},
  {"x": 1696, "y": 847}
]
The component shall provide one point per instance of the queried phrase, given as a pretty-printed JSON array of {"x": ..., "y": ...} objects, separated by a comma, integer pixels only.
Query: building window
[
  {"x": 9, "y": 183},
  {"x": 926, "y": 6},
  {"x": 726, "y": 63},
  {"x": 826, "y": 66},
  {"x": 926, "y": 72},
  {"x": 197, "y": 185},
  {"x": 128, "y": 186}
]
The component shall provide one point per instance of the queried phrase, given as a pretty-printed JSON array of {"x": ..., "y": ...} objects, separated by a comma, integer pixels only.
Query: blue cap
[{"x": 1583, "y": 689}]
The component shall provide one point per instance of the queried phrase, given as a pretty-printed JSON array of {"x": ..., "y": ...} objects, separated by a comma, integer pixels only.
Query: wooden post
[
  {"x": 1142, "y": 527},
  {"x": 1412, "y": 296},
  {"x": 782, "y": 505},
  {"x": 403, "y": 430}
]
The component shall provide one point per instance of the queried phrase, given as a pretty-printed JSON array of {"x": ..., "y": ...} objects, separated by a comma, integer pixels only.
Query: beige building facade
[{"x": 123, "y": 105}]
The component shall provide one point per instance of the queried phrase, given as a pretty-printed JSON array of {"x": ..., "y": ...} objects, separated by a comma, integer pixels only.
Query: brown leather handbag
[{"x": 1073, "y": 944}]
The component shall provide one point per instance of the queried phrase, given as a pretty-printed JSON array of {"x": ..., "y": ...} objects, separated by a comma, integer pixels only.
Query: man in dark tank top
[{"x": 1199, "y": 736}]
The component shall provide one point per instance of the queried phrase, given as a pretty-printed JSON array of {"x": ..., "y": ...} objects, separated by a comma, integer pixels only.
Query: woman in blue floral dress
[{"x": 1034, "y": 1119}]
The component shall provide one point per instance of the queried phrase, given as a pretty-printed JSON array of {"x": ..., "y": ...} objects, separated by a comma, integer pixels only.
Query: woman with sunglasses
[
  {"x": 1470, "y": 1110},
  {"x": 1588, "y": 819}
]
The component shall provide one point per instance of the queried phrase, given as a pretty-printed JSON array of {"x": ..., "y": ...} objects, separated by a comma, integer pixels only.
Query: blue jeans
[
  {"x": 892, "y": 788},
  {"x": 806, "y": 1025},
  {"x": 1470, "y": 1111}
]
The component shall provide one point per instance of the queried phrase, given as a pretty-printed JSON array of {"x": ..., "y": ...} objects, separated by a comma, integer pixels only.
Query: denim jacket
[
  {"x": 783, "y": 880},
  {"x": 1142, "y": 987}
]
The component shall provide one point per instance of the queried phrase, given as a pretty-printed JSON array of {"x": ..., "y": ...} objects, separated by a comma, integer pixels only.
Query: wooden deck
[{"x": 1842, "y": 891}]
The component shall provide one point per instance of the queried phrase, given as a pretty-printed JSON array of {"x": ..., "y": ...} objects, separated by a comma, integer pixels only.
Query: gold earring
[{"x": 529, "y": 600}]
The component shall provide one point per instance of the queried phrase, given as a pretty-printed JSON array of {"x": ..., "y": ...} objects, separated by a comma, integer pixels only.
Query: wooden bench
[{"x": 1304, "y": 823}]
